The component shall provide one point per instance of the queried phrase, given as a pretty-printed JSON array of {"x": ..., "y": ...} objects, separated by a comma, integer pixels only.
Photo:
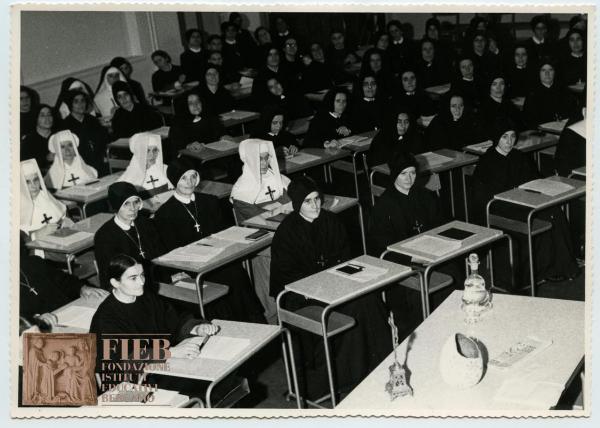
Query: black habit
[
  {"x": 323, "y": 128},
  {"x": 141, "y": 118},
  {"x": 544, "y": 104},
  {"x": 34, "y": 145}
]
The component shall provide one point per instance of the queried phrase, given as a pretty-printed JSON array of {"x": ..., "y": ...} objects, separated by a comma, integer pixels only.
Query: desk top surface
[
  {"x": 91, "y": 192},
  {"x": 539, "y": 200},
  {"x": 288, "y": 166},
  {"x": 457, "y": 160},
  {"x": 511, "y": 319},
  {"x": 333, "y": 289}
]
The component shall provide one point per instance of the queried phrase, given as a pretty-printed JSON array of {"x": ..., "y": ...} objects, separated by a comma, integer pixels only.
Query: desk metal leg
[
  {"x": 371, "y": 187},
  {"x": 451, "y": 179},
  {"x": 208, "y": 392},
  {"x": 324, "y": 317},
  {"x": 84, "y": 209},
  {"x": 355, "y": 174},
  {"x": 296, "y": 391},
  {"x": 425, "y": 287},
  {"x": 70, "y": 258},
  {"x": 464, "y": 186},
  {"x": 110, "y": 171},
  {"x": 510, "y": 261},
  {"x": 200, "y": 303},
  {"x": 530, "y": 250},
  {"x": 362, "y": 228}
]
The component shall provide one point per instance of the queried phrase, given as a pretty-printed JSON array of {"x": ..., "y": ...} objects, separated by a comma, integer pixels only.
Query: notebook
[
  {"x": 454, "y": 233},
  {"x": 546, "y": 187}
]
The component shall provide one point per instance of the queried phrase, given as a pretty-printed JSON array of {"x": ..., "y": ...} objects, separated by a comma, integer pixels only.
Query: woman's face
[
  {"x": 369, "y": 85},
  {"x": 311, "y": 207},
  {"x": 188, "y": 182},
  {"x": 432, "y": 32},
  {"x": 125, "y": 101},
  {"x": 497, "y": 88},
  {"x": 316, "y": 51},
  {"x": 79, "y": 104},
  {"x": 375, "y": 62},
  {"x": 521, "y": 57},
  {"x": 264, "y": 162},
  {"x": 409, "y": 81},
  {"x": 275, "y": 87},
  {"x": 194, "y": 105},
  {"x": 273, "y": 58},
  {"x": 339, "y": 103},
  {"x": 457, "y": 107},
  {"x": 466, "y": 68},
  {"x": 383, "y": 42},
  {"x": 25, "y": 102},
  {"x": 128, "y": 211},
  {"x": 547, "y": 74},
  {"x": 406, "y": 179},
  {"x": 151, "y": 155},
  {"x": 395, "y": 32},
  {"x": 195, "y": 40},
  {"x": 576, "y": 43},
  {"x": 67, "y": 151},
  {"x": 276, "y": 124},
  {"x": 216, "y": 44},
  {"x": 212, "y": 77},
  {"x": 33, "y": 185},
  {"x": 45, "y": 120},
  {"x": 113, "y": 77},
  {"x": 264, "y": 37},
  {"x": 126, "y": 69},
  {"x": 507, "y": 142},
  {"x": 479, "y": 44},
  {"x": 290, "y": 47},
  {"x": 161, "y": 62},
  {"x": 216, "y": 59},
  {"x": 402, "y": 124},
  {"x": 540, "y": 30},
  {"x": 131, "y": 282},
  {"x": 427, "y": 51},
  {"x": 337, "y": 40}
]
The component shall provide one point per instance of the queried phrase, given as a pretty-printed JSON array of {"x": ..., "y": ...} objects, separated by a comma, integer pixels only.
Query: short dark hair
[
  {"x": 257, "y": 31},
  {"x": 538, "y": 19},
  {"x": 329, "y": 99},
  {"x": 188, "y": 34},
  {"x": 161, "y": 53},
  {"x": 225, "y": 25},
  {"x": 119, "y": 264},
  {"x": 393, "y": 22},
  {"x": 72, "y": 93}
]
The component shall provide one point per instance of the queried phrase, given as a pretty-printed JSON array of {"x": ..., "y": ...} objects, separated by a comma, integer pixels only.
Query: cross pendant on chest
[
  {"x": 270, "y": 192},
  {"x": 417, "y": 227},
  {"x": 197, "y": 226},
  {"x": 321, "y": 261},
  {"x": 152, "y": 181},
  {"x": 73, "y": 179},
  {"x": 46, "y": 219},
  {"x": 142, "y": 253}
]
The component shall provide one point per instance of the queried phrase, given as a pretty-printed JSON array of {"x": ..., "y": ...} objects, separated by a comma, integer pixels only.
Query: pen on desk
[
  {"x": 91, "y": 182},
  {"x": 201, "y": 344},
  {"x": 203, "y": 244}
]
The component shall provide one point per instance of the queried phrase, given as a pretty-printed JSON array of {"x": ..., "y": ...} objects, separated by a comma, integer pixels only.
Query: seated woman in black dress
[
  {"x": 431, "y": 70},
  {"x": 573, "y": 65},
  {"x": 35, "y": 143},
  {"x": 484, "y": 61},
  {"x": 270, "y": 66},
  {"x": 399, "y": 134},
  {"x": 308, "y": 241},
  {"x": 454, "y": 127},
  {"x": 275, "y": 95},
  {"x": 131, "y": 309},
  {"x": 132, "y": 117},
  {"x": 368, "y": 105},
  {"x": 520, "y": 74},
  {"x": 136, "y": 87},
  {"x": 218, "y": 99},
  {"x": 548, "y": 100},
  {"x": 411, "y": 97},
  {"x": 332, "y": 122},
  {"x": 271, "y": 127},
  {"x": 168, "y": 75},
  {"x": 502, "y": 168},
  {"x": 70, "y": 84},
  {"x": 467, "y": 83},
  {"x": 316, "y": 76},
  {"x": 376, "y": 64},
  {"x": 496, "y": 104},
  {"x": 29, "y": 102}
]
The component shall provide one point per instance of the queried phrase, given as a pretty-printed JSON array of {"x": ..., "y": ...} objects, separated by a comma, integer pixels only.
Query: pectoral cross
[
  {"x": 46, "y": 219},
  {"x": 152, "y": 181},
  {"x": 321, "y": 262},
  {"x": 417, "y": 227},
  {"x": 73, "y": 179},
  {"x": 142, "y": 253},
  {"x": 270, "y": 192},
  {"x": 197, "y": 226}
]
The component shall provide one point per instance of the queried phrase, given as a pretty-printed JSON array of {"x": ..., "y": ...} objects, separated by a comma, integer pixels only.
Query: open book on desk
[
  {"x": 222, "y": 348},
  {"x": 546, "y": 187},
  {"x": 65, "y": 237},
  {"x": 222, "y": 145},
  {"x": 432, "y": 245}
]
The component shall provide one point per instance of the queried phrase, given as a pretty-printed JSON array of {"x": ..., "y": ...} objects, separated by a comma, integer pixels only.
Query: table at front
[
  {"x": 89, "y": 225},
  {"x": 334, "y": 290},
  {"x": 537, "y": 202},
  {"x": 458, "y": 160},
  {"x": 214, "y": 371},
  {"x": 511, "y": 319},
  {"x": 232, "y": 253},
  {"x": 86, "y": 194},
  {"x": 482, "y": 236},
  {"x": 260, "y": 221}
]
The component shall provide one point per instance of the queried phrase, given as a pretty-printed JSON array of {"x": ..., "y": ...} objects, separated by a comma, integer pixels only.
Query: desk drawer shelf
[{"x": 309, "y": 318}]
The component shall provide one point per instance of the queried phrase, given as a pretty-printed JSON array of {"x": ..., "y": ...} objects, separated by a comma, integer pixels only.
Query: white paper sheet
[
  {"x": 434, "y": 159},
  {"x": 556, "y": 126},
  {"x": 302, "y": 158},
  {"x": 547, "y": 187},
  {"x": 355, "y": 140},
  {"x": 193, "y": 253},
  {"x": 235, "y": 234},
  {"x": 433, "y": 245},
  {"x": 222, "y": 348},
  {"x": 76, "y": 316},
  {"x": 521, "y": 391},
  {"x": 519, "y": 353},
  {"x": 222, "y": 145},
  {"x": 246, "y": 82}
]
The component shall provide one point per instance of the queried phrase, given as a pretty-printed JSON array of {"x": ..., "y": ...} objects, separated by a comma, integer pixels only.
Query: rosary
[
  {"x": 25, "y": 282},
  {"x": 139, "y": 241},
  {"x": 195, "y": 218}
]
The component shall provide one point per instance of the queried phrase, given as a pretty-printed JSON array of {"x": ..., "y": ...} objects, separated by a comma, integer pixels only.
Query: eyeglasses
[
  {"x": 291, "y": 44},
  {"x": 133, "y": 204}
]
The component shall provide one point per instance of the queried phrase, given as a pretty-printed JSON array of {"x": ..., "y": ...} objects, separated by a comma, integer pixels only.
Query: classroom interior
[{"x": 59, "y": 48}]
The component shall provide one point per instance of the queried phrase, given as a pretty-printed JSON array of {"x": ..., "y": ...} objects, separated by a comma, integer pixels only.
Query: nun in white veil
[
  {"x": 68, "y": 168},
  {"x": 261, "y": 187},
  {"x": 103, "y": 99},
  {"x": 40, "y": 212},
  {"x": 146, "y": 169}
]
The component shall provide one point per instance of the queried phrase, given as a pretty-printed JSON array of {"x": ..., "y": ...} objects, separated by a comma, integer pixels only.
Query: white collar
[
  {"x": 398, "y": 42},
  {"x": 576, "y": 56},
  {"x": 520, "y": 67},
  {"x": 122, "y": 225},
  {"x": 197, "y": 119},
  {"x": 537, "y": 41},
  {"x": 230, "y": 42},
  {"x": 468, "y": 80},
  {"x": 500, "y": 151},
  {"x": 284, "y": 34},
  {"x": 196, "y": 50},
  {"x": 121, "y": 299},
  {"x": 183, "y": 199},
  {"x": 335, "y": 115},
  {"x": 369, "y": 100}
]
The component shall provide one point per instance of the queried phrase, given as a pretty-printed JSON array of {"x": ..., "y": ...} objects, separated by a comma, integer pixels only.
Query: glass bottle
[{"x": 476, "y": 299}]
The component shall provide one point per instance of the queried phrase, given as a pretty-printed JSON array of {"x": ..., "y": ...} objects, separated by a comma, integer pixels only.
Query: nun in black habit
[
  {"x": 368, "y": 105},
  {"x": 132, "y": 117},
  {"x": 502, "y": 168},
  {"x": 308, "y": 241},
  {"x": 187, "y": 217}
]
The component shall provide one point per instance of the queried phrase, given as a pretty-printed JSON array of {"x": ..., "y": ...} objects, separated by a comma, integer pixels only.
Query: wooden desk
[
  {"x": 482, "y": 236},
  {"x": 241, "y": 93},
  {"x": 209, "y": 153},
  {"x": 359, "y": 146},
  {"x": 89, "y": 226},
  {"x": 511, "y": 319},
  {"x": 238, "y": 117},
  {"x": 343, "y": 203},
  {"x": 555, "y": 127},
  {"x": 537, "y": 202},
  {"x": 214, "y": 371},
  {"x": 232, "y": 253},
  {"x": 316, "y": 96},
  {"x": 436, "y": 92},
  {"x": 457, "y": 160},
  {"x": 325, "y": 156},
  {"x": 86, "y": 194},
  {"x": 335, "y": 290},
  {"x": 578, "y": 172},
  {"x": 578, "y": 88}
]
